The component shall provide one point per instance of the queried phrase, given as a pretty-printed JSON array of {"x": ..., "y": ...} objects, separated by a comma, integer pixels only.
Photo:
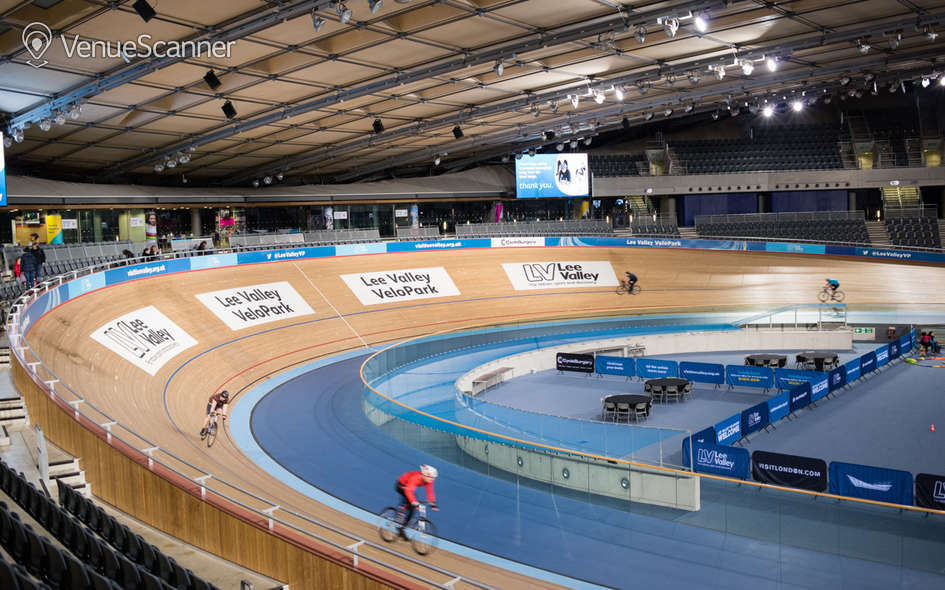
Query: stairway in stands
[
  {"x": 901, "y": 196},
  {"x": 941, "y": 231},
  {"x": 877, "y": 233},
  {"x": 688, "y": 233}
]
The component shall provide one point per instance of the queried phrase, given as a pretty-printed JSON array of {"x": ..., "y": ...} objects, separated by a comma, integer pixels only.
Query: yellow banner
[{"x": 54, "y": 229}]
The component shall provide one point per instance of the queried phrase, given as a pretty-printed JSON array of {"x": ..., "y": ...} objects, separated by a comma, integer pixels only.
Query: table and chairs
[
  {"x": 665, "y": 389},
  {"x": 623, "y": 406},
  {"x": 817, "y": 360},
  {"x": 775, "y": 361}
]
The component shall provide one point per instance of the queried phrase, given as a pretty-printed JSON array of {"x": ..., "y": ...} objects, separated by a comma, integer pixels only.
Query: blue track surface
[{"x": 313, "y": 426}]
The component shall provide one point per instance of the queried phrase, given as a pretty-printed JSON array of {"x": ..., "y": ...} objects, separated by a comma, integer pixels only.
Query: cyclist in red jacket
[{"x": 407, "y": 483}]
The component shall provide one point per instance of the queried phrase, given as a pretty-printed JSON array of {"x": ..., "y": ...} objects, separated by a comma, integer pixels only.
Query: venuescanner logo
[{"x": 37, "y": 37}]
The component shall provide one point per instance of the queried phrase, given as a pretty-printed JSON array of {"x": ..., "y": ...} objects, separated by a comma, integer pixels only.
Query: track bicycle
[
  {"x": 828, "y": 295},
  {"x": 211, "y": 435},
  {"x": 622, "y": 288},
  {"x": 420, "y": 531}
]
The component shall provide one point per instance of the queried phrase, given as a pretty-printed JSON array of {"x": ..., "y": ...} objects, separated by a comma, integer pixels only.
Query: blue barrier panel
[
  {"x": 706, "y": 435},
  {"x": 853, "y": 370},
  {"x": 882, "y": 355},
  {"x": 702, "y": 372},
  {"x": 729, "y": 430},
  {"x": 213, "y": 261},
  {"x": 867, "y": 363},
  {"x": 795, "y": 248},
  {"x": 754, "y": 418},
  {"x": 650, "y": 368},
  {"x": 871, "y": 483},
  {"x": 819, "y": 388},
  {"x": 140, "y": 271},
  {"x": 358, "y": 249},
  {"x": 718, "y": 460},
  {"x": 283, "y": 255},
  {"x": 894, "y": 350},
  {"x": 83, "y": 285},
  {"x": 912, "y": 339},
  {"x": 800, "y": 396},
  {"x": 614, "y": 365},
  {"x": 779, "y": 406},
  {"x": 438, "y": 245},
  {"x": 788, "y": 378},
  {"x": 837, "y": 378},
  {"x": 749, "y": 376}
]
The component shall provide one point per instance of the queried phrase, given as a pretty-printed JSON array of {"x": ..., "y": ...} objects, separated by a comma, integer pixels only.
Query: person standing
[
  {"x": 40, "y": 257},
  {"x": 28, "y": 267}
]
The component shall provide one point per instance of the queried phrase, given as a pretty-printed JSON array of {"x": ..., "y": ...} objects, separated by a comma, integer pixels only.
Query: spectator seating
[
  {"x": 913, "y": 231},
  {"x": 100, "y": 553},
  {"x": 576, "y": 227},
  {"x": 615, "y": 164},
  {"x": 812, "y": 226},
  {"x": 777, "y": 148},
  {"x": 325, "y": 236},
  {"x": 66, "y": 254},
  {"x": 661, "y": 226},
  {"x": 418, "y": 233}
]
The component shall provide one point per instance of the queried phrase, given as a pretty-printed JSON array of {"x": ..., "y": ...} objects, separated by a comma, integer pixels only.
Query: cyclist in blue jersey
[{"x": 833, "y": 285}]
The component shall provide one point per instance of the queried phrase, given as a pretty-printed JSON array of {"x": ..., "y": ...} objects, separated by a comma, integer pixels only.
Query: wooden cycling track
[{"x": 672, "y": 280}]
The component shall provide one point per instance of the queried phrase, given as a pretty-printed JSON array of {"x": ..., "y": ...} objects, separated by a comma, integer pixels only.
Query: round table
[
  {"x": 821, "y": 360},
  {"x": 766, "y": 360},
  {"x": 657, "y": 387},
  {"x": 632, "y": 399}
]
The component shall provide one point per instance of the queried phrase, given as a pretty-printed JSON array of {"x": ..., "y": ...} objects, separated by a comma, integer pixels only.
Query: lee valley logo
[
  {"x": 145, "y": 337},
  {"x": 37, "y": 38},
  {"x": 552, "y": 275},
  {"x": 709, "y": 458},
  {"x": 374, "y": 288},
  {"x": 243, "y": 307}
]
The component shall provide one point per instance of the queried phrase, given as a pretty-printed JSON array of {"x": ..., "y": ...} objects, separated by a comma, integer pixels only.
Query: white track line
[{"x": 337, "y": 313}]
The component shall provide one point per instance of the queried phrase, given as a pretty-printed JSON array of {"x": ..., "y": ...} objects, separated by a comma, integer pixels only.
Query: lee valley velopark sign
[
  {"x": 245, "y": 307},
  {"x": 145, "y": 338},
  {"x": 525, "y": 276},
  {"x": 389, "y": 286}
]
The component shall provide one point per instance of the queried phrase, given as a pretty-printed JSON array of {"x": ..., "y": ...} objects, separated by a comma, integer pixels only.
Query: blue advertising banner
[
  {"x": 779, "y": 406},
  {"x": 718, "y": 460},
  {"x": 795, "y": 248},
  {"x": 894, "y": 350},
  {"x": 702, "y": 372},
  {"x": 882, "y": 355},
  {"x": 614, "y": 365},
  {"x": 754, "y": 418},
  {"x": 905, "y": 344},
  {"x": 439, "y": 245},
  {"x": 729, "y": 430},
  {"x": 356, "y": 249},
  {"x": 654, "y": 368},
  {"x": 141, "y": 271},
  {"x": 837, "y": 378},
  {"x": 800, "y": 396},
  {"x": 213, "y": 261},
  {"x": 749, "y": 376},
  {"x": 819, "y": 388},
  {"x": 788, "y": 378},
  {"x": 912, "y": 339},
  {"x": 872, "y": 483},
  {"x": 85, "y": 284},
  {"x": 704, "y": 436},
  {"x": 283, "y": 255},
  {"x": 867, "y": 363},
  {"x": 853, "y": 370}
]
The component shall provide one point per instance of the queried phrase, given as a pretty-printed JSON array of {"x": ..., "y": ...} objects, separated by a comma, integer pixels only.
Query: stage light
[
  {"x": 574, "y": 144},
  {"x": 690, "y": 107},
  {"x": 498, "y": 68},
  {"x": 718, "y": 71},
  {"x": 747, "y": 67},
  {"x": 45, "y": 124},
  {"x": 280, "y": 176},
  {"x": 667, "y": 112},
  {"x": 375, "y": 5},
  {"x": 436, "y": 160},
  {"x": 618, "y": 92},
  {"x": 183, "y": 157},
  {"x": 767, "y": 111},
  {"x": 172, "y": 163},
  {"x": 797, "y": 105},
  {"x": 930, "y": 34},
  {"x": 863, "y": 46},
  {"x": 844, "y": 80},
  {"x": 941, "y": 82},
  {"x": 588, "y": 140},
  {"x": 18, "y": 136},
  {"x": 267, "y": 180},
  {"x": 670, "y": 26},
  {"x": 75, "y": 111},
  {"x": 560, "y": 147},
  {"x": 575, "y": 100},
  {"x": 377, "y": 126},
  {"x": 532, "y": 151},
  {"x": 647, "y": 115},
  {"x": 59, "y": 118},
  {"x": 640, "y": 34},
  {"x": 702, "y": 22},
  {"x": 772, "y": 63},
  {"x": 228, "y": 109},
  {"x": 144, "y": 10},
  {"x": 212, "y": 81},
  {"x": 256, "y": 183},
  {"x": 694, "y": 78},
  {"x": 518, "y": 155},
  {"x": 457, "y": 132},
  {"x": 317, "y": 22},
  {"x": 599, "y": 97},
  {"x": 926, "y": 82},
  {"x": 895, "y": 42},
  {"x": 159, "y": 167},
  {"x": 643, "y": 88},
  {"x": 715, "y": 115},
  {"x": 344, "y": 13}
]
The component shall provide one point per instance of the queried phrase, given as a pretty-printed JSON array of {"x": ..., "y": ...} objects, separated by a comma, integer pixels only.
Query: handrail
[
  {"x": 106, "y": 429},
  {"x": 819, "y": 306}
]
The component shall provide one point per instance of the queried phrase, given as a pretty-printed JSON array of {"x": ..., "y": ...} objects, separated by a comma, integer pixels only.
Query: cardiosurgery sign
[
  {"x": 389, "y": 286},
  {"x": 525, "y": 276},
  {"x": 145, "y": 338},
  {"x": 245, "y": 307}
]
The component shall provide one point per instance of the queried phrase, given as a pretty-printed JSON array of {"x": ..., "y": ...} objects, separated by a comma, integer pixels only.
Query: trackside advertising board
[
  {"x": 871, "y": 483},
  {"x": 656, "y": 368},
  {"x": 145, "y": 338},
  {"x": 614, "y": 365},
  {"x": 718, "y": 460},
  {"x": 245, "y": 307},
  {"x": 792, "y": 471},
  {"x": 702, "y": 372},
  {"x": 581, "y": 363},
  {"x": 930, "y": 491},
  {"x": 729, "y": 430},
  {"x": 527, "y": 276},
  {"x": 391, "y": 286}
]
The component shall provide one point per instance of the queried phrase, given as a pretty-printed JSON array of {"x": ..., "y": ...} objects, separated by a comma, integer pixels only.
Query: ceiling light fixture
[
  {"x": 667, "y": 112},
  {"x": 7, "y": 141},
  {"x": 573, "y": 144},
  {"x": 267, "y": 180},
  {"x": 599, "y": 97},
  {"x": 772, "y": 63},
  {"x": 375, "y": 5},
  {"x": 690, "y": 107},
  {"x": 575, "y": 100},
  {"x": 18, "y": 134},
  {"x": 618, "y": 93},
  {"x": 670, "y": 26},
  {"x": 280, "y": 176},
  {"x": 747, "y": 67},
  {"x": 895, "y": 42},
  {"x": 587, "y": 141},
  {"x": 159, "y": 167},
  {"x": 643, "y": 88},
  {"x": 767, "y": 111},
  {"x": 344, "y": 13},
  {"x": 228, "y": 109},
  {"x": 498, "y": 68},
  {"x": 378, "y": 126},
  {"x": 926, "y": 82},
  {"x": 930, "y": 34},
  {"x": 941, "y": 82},
  {"x": 45, "y": 124},
  {"x": 436, "y": 160},
  {"x": 797, "y": 105},
  {"x": 701, "y": 22},
  {"x": 647, "y": 115},
  {"x": 256, "y": 183},
  {"x": 532, "y": 152},
  {"x": 718, "y": 71},
  {"x": 694, "y": 78},
  {"x": 59, "y": 118},
  {"x": 863, "y": 46},
  {"x": 560, "y": 147},
  {"x": 844, "y": 80}
]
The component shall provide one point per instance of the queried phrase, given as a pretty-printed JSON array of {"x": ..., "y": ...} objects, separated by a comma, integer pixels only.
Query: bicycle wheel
[
  {"x": 211, "y": 434},
  {"x": 636, "y": 290},
  {"x": 423, "y": 536},
  {"x": 389, "y": 524},
  {"x": 838, "y": 296},
  {"x": 824, "y": 296},
  {"x": 621, "y": 290}
]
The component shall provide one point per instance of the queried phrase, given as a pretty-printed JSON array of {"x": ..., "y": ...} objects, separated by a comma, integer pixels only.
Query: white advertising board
[
  {"x": 517, "y": 242},
  {"x": 145, "y": 337},
  {"x": 389, "y": 286},
  {"x": 245, "y": 307},
  {"x": 526, "y": 276}
]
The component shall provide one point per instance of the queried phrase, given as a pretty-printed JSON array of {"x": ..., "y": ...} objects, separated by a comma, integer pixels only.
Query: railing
[
  {"x": 781, "y": 217},
  {"x": 920, "y": 211},
  {"x": 815, "y": 315},
  {"x": 123, "y": 438}
]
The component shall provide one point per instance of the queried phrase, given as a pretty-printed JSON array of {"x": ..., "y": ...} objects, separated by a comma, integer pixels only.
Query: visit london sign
[
  {"x": 526, "y": 276},
  {"x": 145, "y": 338}
]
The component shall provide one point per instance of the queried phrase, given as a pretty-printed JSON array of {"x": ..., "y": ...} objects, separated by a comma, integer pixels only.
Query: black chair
[
  {"x": 198, "y": 584},
  {"x": 181, "y": 577},
  {"x": 6, "y": 528},
  {"x": 110, "y": 567},
  {"x": 150, "y": 581},
  {"x": 54, "y": 567},
  {"x": 36, "y": 553},
  {"x": 95, "y": 550},
  {"x": 132, "y": 545},
  {"x": 77, "y": 575},
  {"x": 25, "y": 582},
  {"x": 130, "y": 578},
  {"x": 19, "y": 546},
  {"x": 146, "y": 557},
  {"x": 100, "y": 582},
  {"x": 163, "y": 568},
  {"x": 105, "y": 523}
]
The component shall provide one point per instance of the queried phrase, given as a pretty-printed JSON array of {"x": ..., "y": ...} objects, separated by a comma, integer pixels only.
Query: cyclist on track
[
  {"x": 630, "y": 281},
  {"x": 217, "y": 401},
  {"x": 833, "y": 285},
  {"x": 407, "y": 483}
]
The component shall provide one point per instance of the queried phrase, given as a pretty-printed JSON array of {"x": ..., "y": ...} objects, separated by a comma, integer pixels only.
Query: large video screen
[{"x": 552, "y": 175}]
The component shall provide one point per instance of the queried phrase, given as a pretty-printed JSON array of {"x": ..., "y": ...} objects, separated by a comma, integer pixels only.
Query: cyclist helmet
[
  {"x": 225, "y": 395},
  {"x": 428, "y": 471}
]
